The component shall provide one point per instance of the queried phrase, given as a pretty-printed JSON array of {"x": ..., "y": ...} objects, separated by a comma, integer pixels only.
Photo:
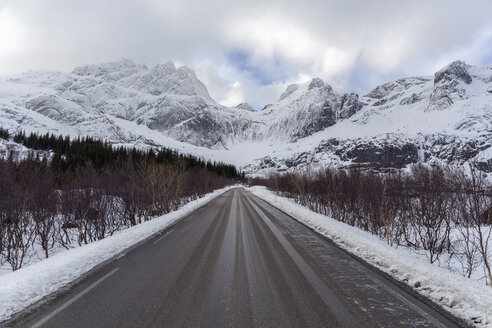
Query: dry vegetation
[
  {"x": 87, "y": 191},
  {"x": 423, "y": 208}
]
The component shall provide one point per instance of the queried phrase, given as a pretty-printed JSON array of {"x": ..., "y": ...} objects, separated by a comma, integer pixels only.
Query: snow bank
[
  {"x": 465, "y": 298},
  {"x": 22, "y": 288}
]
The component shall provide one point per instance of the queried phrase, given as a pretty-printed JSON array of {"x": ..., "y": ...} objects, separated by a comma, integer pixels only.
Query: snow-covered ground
[
  {"x": 466, "y": 298},
  {"x": 22, "y": 288}
]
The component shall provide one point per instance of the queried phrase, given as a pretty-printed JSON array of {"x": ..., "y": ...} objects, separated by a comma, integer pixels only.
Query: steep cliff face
[
  {"x": 449, "y": 86},
  {"x": 306, "y": 109},
  {"x": 392, "y": 151}
]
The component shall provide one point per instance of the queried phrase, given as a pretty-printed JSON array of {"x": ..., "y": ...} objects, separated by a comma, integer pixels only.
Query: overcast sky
[{"x": 250, "y": 50}]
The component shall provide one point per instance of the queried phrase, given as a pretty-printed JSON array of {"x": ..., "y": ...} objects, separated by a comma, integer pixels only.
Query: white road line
[
  {"x": 121, "y": 255},
  {"x": 161, "y": 238},
  {"x": 71, "y": 301}
]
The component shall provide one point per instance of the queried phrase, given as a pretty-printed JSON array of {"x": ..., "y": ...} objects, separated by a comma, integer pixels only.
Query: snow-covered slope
[{"x": 446, "y": 117}]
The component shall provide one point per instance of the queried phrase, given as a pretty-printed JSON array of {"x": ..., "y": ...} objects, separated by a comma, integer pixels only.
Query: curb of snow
[
  {"x": 35, "y": 283},
  {"x": 467, "y": 299}
]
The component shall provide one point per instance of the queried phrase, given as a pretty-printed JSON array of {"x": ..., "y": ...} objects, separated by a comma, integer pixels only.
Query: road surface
[{"x": 235, "y": 262}]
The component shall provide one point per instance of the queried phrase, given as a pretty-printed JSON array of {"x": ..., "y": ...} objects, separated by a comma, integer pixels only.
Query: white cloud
[
  {"x": 234, "y": 95},
  {"x": 476, "y": 53},
  {"x": 12, "y": 34},
  {"x": 351, "y": 44}
]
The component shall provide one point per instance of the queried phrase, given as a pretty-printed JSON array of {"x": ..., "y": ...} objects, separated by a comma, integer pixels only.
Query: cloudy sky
[{"x": 250, "y": 50}]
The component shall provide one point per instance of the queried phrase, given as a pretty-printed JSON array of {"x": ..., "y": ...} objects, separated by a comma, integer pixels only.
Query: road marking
[
  {"x": 121, "y": 255},
  {"x": 162, "y": 237},
  {"x": 71, "y": 301}
]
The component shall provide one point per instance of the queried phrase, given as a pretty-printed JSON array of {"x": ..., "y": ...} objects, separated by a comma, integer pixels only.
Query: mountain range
[{"x": 446, "y": 117}]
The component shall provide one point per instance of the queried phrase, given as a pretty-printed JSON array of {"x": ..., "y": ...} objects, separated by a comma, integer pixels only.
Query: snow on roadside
[
  {"x": 22, "y": 288},
  {"x": 466, "y": 298}
]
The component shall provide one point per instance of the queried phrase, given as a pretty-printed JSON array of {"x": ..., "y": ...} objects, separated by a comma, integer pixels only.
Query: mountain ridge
[{"x": 127, "y": 103}]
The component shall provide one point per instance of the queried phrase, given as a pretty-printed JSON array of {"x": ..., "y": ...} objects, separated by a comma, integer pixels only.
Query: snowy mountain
[
  {"x": 170, "y": 100},
  {"x": 447, "y": 117},
  {"x": 92, "y": 99},
  {"x": 305, "y": 109}
]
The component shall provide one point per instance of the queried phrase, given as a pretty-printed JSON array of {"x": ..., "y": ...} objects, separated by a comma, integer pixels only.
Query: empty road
[{"x": 235, "y": 262}]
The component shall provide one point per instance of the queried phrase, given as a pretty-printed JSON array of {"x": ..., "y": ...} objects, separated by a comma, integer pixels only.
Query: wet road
[{"x": 235, "y": 262}]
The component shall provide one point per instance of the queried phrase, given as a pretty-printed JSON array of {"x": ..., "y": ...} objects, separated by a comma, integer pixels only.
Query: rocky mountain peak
[
  {"x": 316, "y": 83},
  {"x": 290, "y": 89},
  {"x": 99, "y": 70},
  {"x": 380, "y": 91},
  {"x": 188, "y": 84},
  {"x": 457, "y": 70},
  {"x": 350, "y": 104},
  {"x": 167, "y": 79},
  {"x": 449, "y": 85},
  {"x": 245, "y": 106},
  {"x": 163, "y": 69}
]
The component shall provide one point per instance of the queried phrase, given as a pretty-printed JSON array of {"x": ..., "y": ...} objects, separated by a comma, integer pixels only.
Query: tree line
[
  {"x": 82, "y": 190},
  {"x": 434, "y": 209},
  {"x": 71, "y": 154}
]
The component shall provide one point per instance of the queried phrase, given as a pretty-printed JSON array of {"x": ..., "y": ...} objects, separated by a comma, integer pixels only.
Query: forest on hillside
[{"x": 67, "y": 192}]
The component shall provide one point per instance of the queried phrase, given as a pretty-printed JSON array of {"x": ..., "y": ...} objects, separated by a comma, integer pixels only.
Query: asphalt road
[{"x": 235, "y": 262}]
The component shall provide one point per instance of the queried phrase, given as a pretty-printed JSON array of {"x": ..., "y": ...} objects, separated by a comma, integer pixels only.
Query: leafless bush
[
  {"x": 41, "y": 208},
  {"x": 474, "y": 204},
  {"x": 17, "y": 227},
  {"x": 418, "y": 208}
]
